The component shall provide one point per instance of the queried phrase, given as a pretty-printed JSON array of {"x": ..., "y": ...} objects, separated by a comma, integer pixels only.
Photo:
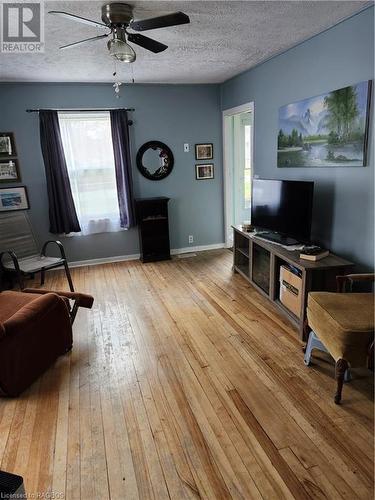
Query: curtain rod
[{"x": 82, "y": 110}]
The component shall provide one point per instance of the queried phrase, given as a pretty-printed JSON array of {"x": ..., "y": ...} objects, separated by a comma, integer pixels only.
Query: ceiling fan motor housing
[{"x": 117, "y": 14}]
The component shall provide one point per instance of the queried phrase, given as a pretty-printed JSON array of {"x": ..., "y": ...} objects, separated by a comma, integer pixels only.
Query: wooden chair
[
  {"x": 19, "y": 253},
  {"x": 342, "y": 324}
]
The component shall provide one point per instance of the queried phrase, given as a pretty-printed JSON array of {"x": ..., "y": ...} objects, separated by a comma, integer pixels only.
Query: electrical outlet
[
  {"x": 191, "y": 238},
  {"x": 186, "y": 148}
]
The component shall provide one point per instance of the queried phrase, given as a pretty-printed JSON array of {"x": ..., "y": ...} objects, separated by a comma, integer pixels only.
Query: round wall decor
[{"x": 155, "y": 160}]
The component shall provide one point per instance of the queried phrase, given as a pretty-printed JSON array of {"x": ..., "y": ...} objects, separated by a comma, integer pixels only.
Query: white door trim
[
  {"x": 228, "y": 190},
  {"x": 243, "y": 108}
]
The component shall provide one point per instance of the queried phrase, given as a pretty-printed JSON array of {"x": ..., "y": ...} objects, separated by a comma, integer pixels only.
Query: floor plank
[{"x": 185, "y": 383}]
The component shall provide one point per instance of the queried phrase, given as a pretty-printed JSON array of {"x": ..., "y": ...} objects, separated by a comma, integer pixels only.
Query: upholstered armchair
[
  {"x": 35, "y": 329},
  {"x": 342, "y": 324}
]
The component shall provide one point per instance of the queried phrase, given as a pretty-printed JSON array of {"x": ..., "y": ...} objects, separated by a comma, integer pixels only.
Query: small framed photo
[
  {"x": 204, "y": 151},
  {"x": 9, "y": 171},
  {"x": 13, "y": 199},
  {"x": 7, "y": 145},
  {"x": 204, "y": 171}
]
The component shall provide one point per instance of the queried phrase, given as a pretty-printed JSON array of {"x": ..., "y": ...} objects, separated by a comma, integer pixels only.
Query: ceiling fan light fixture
[{"x": 121, "y": 51}]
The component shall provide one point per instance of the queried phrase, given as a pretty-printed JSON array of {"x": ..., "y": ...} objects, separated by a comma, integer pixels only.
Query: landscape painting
[
  {"x": 13, "y": 199},
  {"x": 330, "y": 130}
]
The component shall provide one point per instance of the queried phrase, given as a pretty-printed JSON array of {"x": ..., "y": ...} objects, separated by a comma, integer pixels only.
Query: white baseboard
[
  {"x": 122, "y": 258},
  {"x": 104, "y": 260},
  {"x": 200, "y": 248}
]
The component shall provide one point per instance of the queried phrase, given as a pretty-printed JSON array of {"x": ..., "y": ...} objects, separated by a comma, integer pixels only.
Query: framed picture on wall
[
  {"x": 13, "y": 199},
  {"x": 204, "y": 151},
  {"x": 204, "y": 171},
  {"x": 9, "y": 171},
  {"x": 329, "y": 130},
  {"x": 7, "y": 145}
]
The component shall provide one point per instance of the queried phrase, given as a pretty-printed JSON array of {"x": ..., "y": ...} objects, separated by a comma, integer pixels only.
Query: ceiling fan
[{"x": 118, "y": 18}]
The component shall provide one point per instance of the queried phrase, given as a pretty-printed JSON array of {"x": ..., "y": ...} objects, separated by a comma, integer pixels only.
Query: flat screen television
[{"x": 283, "y": 207}]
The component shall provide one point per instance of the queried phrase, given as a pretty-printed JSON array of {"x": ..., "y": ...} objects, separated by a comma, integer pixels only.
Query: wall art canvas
[
  {"x": 330, "y": 130},
  {"x": 204, "y": 171},
  {"x": 9, "y": 171},
  {"x": 204, "y": 151},
  {"x": 13, "y": 199},
  {"x": 7, "y": 145}
]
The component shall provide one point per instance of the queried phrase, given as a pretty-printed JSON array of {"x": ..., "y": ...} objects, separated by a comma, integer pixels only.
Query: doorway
[{"x": 238, "y": 132}]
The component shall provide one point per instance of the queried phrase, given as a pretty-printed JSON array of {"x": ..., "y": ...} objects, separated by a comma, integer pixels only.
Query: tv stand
[
  {"x": 277, "y": 238},
  {"x": 259, "y": 262}
]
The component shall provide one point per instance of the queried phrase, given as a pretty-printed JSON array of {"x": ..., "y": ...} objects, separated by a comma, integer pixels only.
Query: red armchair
[{"x": 35, "y": 329}]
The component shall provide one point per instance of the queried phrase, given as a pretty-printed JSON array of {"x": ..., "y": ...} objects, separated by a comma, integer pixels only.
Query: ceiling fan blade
[
  {"x": 160, "y": 22},
  {"x": 146, "y": 43},
  {"x": 99, "y": 37},
  {"x": 78, "y": 19}
]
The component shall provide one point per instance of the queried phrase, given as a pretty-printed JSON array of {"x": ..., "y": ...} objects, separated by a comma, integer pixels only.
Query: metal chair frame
[
  {"x": 314, "y": 342},
  {"x": 20, "y": 274}
]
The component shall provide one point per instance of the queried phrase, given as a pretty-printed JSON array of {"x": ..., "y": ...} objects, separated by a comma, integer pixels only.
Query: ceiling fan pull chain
[
  {"x": 132, "y": 69},
  {"x": 117, "y": 84}
]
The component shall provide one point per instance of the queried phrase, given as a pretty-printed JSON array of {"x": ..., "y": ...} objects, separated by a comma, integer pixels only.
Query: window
[{"x": 87, "y": 142}]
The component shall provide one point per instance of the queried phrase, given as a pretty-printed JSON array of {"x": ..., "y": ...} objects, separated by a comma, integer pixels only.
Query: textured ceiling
[{"x": 223, "y": 39}]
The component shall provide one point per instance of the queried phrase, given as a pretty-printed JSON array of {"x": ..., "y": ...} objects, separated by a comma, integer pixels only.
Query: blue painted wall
[
  {"x": 344, "y": 197},
  {"x": 173, "y": 114}
]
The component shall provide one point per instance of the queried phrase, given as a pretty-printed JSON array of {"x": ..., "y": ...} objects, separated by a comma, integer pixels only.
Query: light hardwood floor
[{"x": 185, "y": 383}]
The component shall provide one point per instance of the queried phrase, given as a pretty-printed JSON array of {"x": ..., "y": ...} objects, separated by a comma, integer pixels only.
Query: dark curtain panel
[
  {"x": 121, "y": 149},
  {"x": 62, "y": 213}
]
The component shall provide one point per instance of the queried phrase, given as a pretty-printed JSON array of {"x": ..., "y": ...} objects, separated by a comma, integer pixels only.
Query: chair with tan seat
[
  {"x": 19, "y": 251},
  {"x": 342, "y": 324}
]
